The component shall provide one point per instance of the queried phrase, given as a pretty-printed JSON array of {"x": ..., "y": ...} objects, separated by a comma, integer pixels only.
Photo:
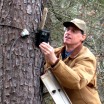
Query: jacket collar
[
  {"x": 73, "y": 54},
  {"x": 76, "y": 51}
]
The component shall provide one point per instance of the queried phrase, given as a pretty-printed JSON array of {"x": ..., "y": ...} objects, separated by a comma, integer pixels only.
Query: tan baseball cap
[{"x": 78, "y": 23}]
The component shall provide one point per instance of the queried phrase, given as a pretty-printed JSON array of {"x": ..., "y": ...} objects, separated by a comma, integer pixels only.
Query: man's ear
[{"x": 83, "y": 37}]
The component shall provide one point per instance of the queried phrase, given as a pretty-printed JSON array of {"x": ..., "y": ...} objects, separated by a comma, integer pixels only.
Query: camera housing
[{"x": 41, "y": 36}]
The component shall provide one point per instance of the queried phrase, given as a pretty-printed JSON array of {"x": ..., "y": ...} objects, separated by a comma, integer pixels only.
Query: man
[{"x": 73, "y": 64}]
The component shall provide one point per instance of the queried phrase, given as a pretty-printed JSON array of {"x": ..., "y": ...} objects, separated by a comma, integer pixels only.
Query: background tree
[{"x": 20, "y": 60}]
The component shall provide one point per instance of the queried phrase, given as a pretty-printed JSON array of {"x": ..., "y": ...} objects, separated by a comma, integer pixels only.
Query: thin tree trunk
[{"x": 20, "y": 60}]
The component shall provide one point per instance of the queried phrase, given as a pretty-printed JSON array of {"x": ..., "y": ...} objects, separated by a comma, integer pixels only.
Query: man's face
[{"x": 73, "y": 36}]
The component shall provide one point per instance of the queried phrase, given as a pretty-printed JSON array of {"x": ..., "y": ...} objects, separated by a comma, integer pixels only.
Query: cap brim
[{"x": 67, "y": 24}]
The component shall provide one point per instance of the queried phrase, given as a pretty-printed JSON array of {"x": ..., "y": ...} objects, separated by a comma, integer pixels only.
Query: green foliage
[{"x": 48, "y": 99}]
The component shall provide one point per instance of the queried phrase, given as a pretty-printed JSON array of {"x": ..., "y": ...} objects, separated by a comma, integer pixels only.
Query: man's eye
[{"x": 73, "y": 30}]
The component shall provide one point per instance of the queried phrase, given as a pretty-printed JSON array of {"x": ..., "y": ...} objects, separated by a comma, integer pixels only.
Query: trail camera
[{"x": 41, "y": 36}]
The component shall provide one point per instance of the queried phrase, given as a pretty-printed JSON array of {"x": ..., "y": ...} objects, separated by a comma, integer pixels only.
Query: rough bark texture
[{"x": 20, "y": 60}]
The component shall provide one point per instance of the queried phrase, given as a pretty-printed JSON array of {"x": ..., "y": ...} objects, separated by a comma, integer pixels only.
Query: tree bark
[{"x": 20, "y": 60}]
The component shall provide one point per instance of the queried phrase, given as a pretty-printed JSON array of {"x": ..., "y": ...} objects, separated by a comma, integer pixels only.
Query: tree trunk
[{"x": 20, "y": 60}]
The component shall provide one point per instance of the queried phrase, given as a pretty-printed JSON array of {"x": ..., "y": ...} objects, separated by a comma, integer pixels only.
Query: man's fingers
[
  {"x": 46, "y": 48},
  {"x": 46, "y": 45},
  {"x": 42, "y": 48}
]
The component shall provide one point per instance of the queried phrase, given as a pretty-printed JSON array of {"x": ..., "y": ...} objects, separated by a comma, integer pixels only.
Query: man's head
[
  {"x": 78, "y": 23},
  {"x": 75, "y": 32}
]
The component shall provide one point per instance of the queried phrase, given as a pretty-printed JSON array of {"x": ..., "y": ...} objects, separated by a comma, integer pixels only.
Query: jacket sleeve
[{"x": 76, "y": 77}]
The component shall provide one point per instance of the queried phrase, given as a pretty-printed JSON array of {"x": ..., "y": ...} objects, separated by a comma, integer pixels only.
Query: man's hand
[{"x": 48, "y": 51}]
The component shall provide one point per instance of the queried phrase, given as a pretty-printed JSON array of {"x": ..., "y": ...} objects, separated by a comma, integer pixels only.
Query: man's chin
[{"x": 65, "y": 43}]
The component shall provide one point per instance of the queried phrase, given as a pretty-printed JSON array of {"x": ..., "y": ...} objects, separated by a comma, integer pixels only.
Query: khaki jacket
[{"x": 77, "y": 75}]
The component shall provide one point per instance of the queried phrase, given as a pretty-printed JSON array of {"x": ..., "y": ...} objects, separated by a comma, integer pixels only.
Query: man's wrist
[{"x": 55, "y": 62}]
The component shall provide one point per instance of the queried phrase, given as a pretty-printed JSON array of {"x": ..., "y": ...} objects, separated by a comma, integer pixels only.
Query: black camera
[{"x": 41, "y": 36}]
